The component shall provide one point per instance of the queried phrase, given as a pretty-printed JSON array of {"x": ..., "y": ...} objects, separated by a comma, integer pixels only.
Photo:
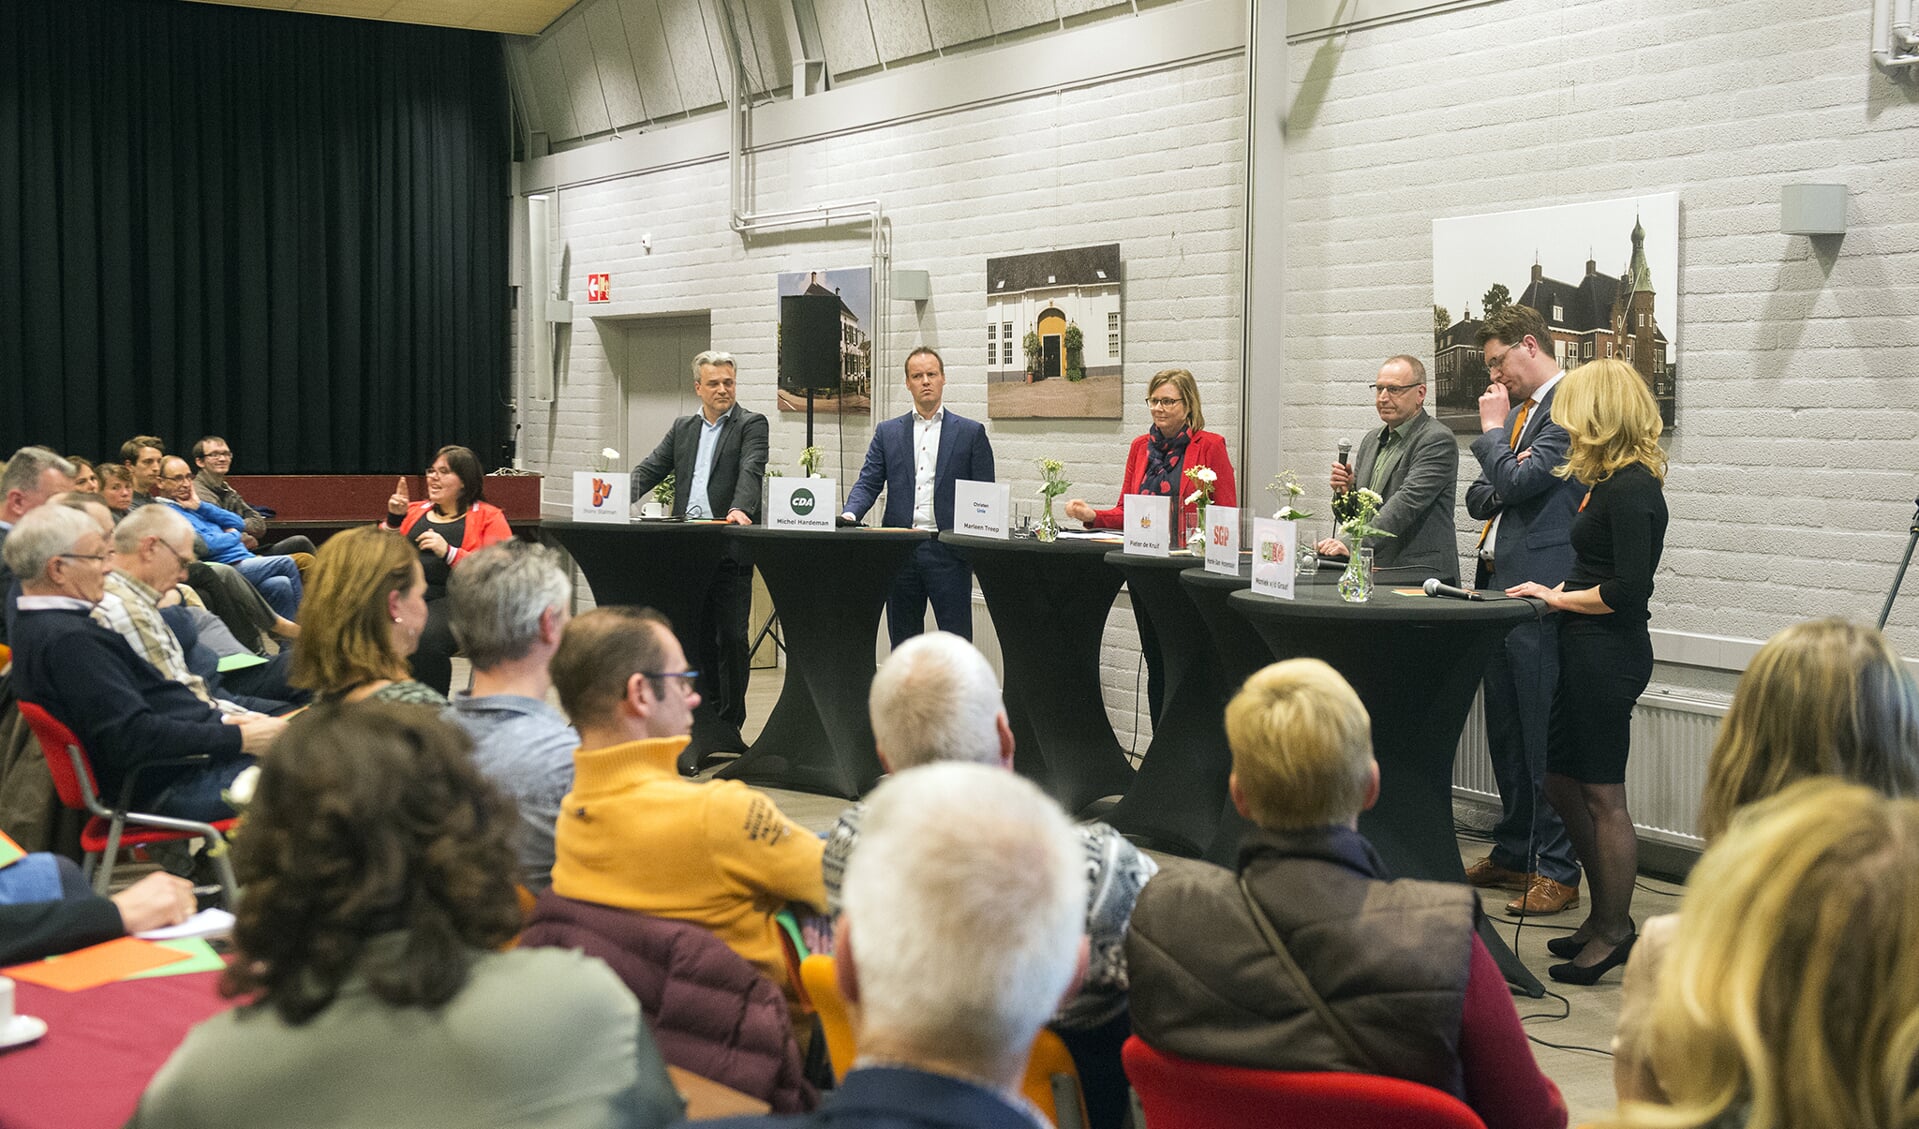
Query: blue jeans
[{"x": 278, "y": 581}]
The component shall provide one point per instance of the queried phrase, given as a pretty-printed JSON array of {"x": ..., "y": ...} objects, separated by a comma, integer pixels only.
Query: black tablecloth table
[
  {"x": 1416, "y": 663},
  {"x": 667, "y": 566},
  {"x": 829, "y": 588},
  {"x": 1175, "y": 801},
  {"x": 1049, "y": 603}
]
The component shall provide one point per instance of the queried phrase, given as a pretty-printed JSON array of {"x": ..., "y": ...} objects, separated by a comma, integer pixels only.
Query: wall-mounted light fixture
[{"x": 1812, "y": 209}]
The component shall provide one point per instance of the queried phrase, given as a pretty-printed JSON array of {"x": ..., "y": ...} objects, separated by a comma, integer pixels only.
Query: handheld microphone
[
  {"x": 1345, "y": 448},
  {"x": 1436, "y": 587}
]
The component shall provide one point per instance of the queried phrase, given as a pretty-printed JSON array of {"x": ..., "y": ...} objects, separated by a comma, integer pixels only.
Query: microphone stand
[{"x": 1899, "y": 577}]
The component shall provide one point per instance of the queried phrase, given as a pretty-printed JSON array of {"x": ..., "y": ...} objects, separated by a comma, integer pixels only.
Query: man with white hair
[
  {"x": 961, "y": 932},
  {"x": 30, "y": 477},
  {"x": 509, "y": 607},
  {"x": 124, "y": 711},
  {"x": 936, "y": 698}
]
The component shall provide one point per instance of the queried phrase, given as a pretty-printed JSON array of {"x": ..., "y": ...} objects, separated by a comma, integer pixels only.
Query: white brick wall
[
  {"x": 1153, "y": 162},
  {"x": 1794, "y": 459}
]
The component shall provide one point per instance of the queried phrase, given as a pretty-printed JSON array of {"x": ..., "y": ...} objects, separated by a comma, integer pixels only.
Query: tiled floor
[{"x": 1578, "y": 1064}]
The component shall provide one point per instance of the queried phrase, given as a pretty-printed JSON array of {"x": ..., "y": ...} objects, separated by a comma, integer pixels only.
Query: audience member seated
[
  {"x": 1826, "y": 697},
  {"x": 709, "y": 1010},
  {"x": 378, "y": 865},
  {"x": 124, "y": 711},
  {"x": 1395, "y": 979},
  {"x": 86, "y": 480},
  {"x": 141, "y": 456},
  {"x": 277, "y": 578},
  {"x": 1792, "y": 980},
  {"x": 453, "y": 521},
  {"x": 633, "y": 833},
  {"x": 509, "y": 606},
  {"x": 364, "y": 616},
  {"x": 936, "y": 699},
  {"x": 47, "y": 908},
  {"x": 31, "y": 477},
  {"x": 962, "y": 933},
  {"x": 215, "y": 459},
  {"x": 150, "y": 551},
  {"x": 116, "y": 486}
]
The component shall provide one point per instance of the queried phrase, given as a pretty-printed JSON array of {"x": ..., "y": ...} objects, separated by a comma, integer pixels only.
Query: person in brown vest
[{"x": 1393, "y": 977}]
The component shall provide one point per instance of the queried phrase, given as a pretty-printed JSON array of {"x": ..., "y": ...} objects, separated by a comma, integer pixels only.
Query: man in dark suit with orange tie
[{"x": 917, "y": 457}]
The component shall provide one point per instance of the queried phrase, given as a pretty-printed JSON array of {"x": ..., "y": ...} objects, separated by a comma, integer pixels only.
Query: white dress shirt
[{"x": 926, "y": 453}]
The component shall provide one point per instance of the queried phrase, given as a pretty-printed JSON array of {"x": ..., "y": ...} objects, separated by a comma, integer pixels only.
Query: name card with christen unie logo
[
  {"x": 1149, "y": 524},
  {"x": 801, "y": 503},
  {"x": 1273, "y": 545},
  {"x": 980, "y": 508},
  {"x": 599, "y": 496},
  {"x": 1222, "y": 539}
]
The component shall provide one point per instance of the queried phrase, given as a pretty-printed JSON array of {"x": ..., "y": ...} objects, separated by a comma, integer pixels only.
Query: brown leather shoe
[
  {"x": 1544, "y": 896},
  {"x": 1486, "y": 872}
]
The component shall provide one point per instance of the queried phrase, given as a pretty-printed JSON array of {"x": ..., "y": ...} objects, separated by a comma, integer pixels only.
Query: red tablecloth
[{"x": 101, "y": 1048}]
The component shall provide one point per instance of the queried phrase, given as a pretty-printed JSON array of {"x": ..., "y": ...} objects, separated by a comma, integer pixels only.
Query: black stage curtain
[{"x": 287, "y": 230}]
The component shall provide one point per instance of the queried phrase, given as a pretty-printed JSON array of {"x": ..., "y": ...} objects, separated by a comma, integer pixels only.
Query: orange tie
[{"x": 1512, "y": 444}]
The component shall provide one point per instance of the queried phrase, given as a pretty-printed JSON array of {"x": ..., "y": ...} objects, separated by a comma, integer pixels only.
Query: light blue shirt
[
  {"x": 526, "y": 747},
  {"x": 697, "y": 502}
]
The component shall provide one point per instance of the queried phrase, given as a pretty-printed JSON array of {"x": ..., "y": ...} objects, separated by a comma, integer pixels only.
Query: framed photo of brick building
[
  {"x": 1604, "y": 275},
  {"x": 1054, "y": 335}
]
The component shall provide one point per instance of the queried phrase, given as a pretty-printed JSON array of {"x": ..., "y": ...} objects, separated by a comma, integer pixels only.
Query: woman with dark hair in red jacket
[{"x": 451, "y": 522}]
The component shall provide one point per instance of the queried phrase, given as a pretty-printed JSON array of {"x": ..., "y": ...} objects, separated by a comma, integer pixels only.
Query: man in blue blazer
[
  {"x": 963, "y": 925},
  {"x": 1528, "y": 513},
  {"x": 917, "y": 458}
]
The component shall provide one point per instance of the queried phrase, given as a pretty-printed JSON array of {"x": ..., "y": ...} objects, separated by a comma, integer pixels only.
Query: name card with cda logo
[
  {"x": 1273, "y": 545},
  {"x": 599, "y": 496},
  {"x": 801, "y": 503},
  {"x": 1222, "y": 539},
  {"x": 1149, "y": 525},
  {"x": 980, "y": 508}
]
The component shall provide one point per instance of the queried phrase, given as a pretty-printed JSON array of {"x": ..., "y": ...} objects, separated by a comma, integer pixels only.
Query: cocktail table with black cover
[
  {"x": 664, "y": 565},
  {"x": 1049, "y": 603},
  {"x": 829, "y": 587},
  {"x": 1416, "y": 663},
  {"x": 1175, "y": 801}
]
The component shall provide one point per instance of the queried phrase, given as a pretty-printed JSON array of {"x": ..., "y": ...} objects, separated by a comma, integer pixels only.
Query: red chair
[
  {"x": 1179, "y": 1093},
  {"x": 112, "y": 829}
]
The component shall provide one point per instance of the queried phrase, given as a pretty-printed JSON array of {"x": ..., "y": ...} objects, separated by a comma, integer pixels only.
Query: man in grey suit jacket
[
  {"x": 1413, "y": 463},
  {"x": 1528, "y": 513},
  {"x": 717, "y": 457}
]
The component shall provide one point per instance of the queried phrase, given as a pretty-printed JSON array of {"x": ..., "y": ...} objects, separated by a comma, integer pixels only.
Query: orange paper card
[{"x": 100, "y": 964}]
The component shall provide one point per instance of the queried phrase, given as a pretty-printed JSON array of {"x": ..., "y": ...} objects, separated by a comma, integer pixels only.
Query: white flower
[
  {"x": 1368, "y": 494},
  {"x": 1203, "y": 474},
  {"x": 1192, "y": 498},
  {"x": 609, "y": 453}
]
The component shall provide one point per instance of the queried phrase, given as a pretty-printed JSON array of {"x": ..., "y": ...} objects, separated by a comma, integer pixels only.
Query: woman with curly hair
[
  {"x": 362, "y": 617},
  {"x": 1605, "y": 648},
  {"x": 377, "y": 863},
  {"x": 1791, "y": 991}
]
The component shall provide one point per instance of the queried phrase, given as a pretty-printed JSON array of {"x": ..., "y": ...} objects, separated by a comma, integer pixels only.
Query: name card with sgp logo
[
  {"x": 979, "y": 508},
  {"x": 1149, "y": 524},
  {"x": 601, "y": 495},
  {"x": 801, "y": 503},
  {"x": 1222, "y": 539},
  {"x": 1274, "y": 543}
]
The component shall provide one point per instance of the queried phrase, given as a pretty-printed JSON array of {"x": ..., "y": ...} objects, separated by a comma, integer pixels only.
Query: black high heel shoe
[
  {"x": 1570, "y": 973},
  {"x": 1568, "y": 947}
]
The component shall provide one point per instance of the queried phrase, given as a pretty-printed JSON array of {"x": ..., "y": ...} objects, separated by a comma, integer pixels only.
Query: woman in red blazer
[
  {"x": 452, "y": 522},
  {"x": 1157, "y": 464}
]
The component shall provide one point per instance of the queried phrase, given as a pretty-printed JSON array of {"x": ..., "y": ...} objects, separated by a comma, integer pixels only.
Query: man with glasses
[
  {"x": 717, "y": 457},
  {"x": 125, "y": 712},
  {"x": 634, "y": 833},
  {"x": 278, "y": 579},
  {"x": 1412, "y": 463},
  {"x": 27, "y": 480},
  {"x": 215, "y": 459},
  {"x": 1527, "y": 513}
]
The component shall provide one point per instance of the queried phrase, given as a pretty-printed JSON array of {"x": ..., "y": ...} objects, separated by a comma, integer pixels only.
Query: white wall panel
[
  {"x": 582, "y": 75},
  {"x": 954, "y": 22},
  {"x": 652, "y": 62},
  {"x": 552, "y": 98},
  {"x": 693, "y": 57},
  {"x": 899, "y": 27},
  {"x": 1013, "y": 15},
  {"x": 847, "y": 35},
  {"x": 606, "y": 29}
]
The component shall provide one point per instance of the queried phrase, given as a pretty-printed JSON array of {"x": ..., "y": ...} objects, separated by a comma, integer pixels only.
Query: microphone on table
[
  {"x": 1437, "y": 587},
  {"x": 1345, "y": 448}
]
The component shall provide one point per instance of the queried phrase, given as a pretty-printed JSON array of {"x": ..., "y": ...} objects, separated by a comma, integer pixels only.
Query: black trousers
[
  {"x": 432, "y": 661},
  {"x": 725, "y": 663}
]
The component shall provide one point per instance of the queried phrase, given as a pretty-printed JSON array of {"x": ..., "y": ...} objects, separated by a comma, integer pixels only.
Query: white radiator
[{"x": 1672, "y": 736}]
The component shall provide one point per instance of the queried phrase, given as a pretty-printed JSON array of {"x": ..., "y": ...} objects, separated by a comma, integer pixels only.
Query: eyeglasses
[
  {"x": 1164, "y": 402},
  {"x": 177, "y": 555},
  {"x": 1493, "y": 363},
  {"x": 217, "y": 455},
  {"x": 96, "y": 558},
  {"x": 438, "y": 472},
  {"x": 687, "y": 676},
  {"x": 1392, "y": 389}
]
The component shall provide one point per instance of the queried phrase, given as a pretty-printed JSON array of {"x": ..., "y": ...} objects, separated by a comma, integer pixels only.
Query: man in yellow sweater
[{"x": 635, "y": 834}]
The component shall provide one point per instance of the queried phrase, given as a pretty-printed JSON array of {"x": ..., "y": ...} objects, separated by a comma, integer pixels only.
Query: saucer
[{"x": 20, "y": 1030}]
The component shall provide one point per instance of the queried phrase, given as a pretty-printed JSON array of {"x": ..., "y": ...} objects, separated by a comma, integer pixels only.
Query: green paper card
[
  {"x": 200, "y": 958},
  {"x": 240, "y": 662}
]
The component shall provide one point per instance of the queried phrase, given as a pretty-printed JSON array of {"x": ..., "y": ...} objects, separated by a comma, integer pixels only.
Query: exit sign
[{"x": 598, "y": 287}]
